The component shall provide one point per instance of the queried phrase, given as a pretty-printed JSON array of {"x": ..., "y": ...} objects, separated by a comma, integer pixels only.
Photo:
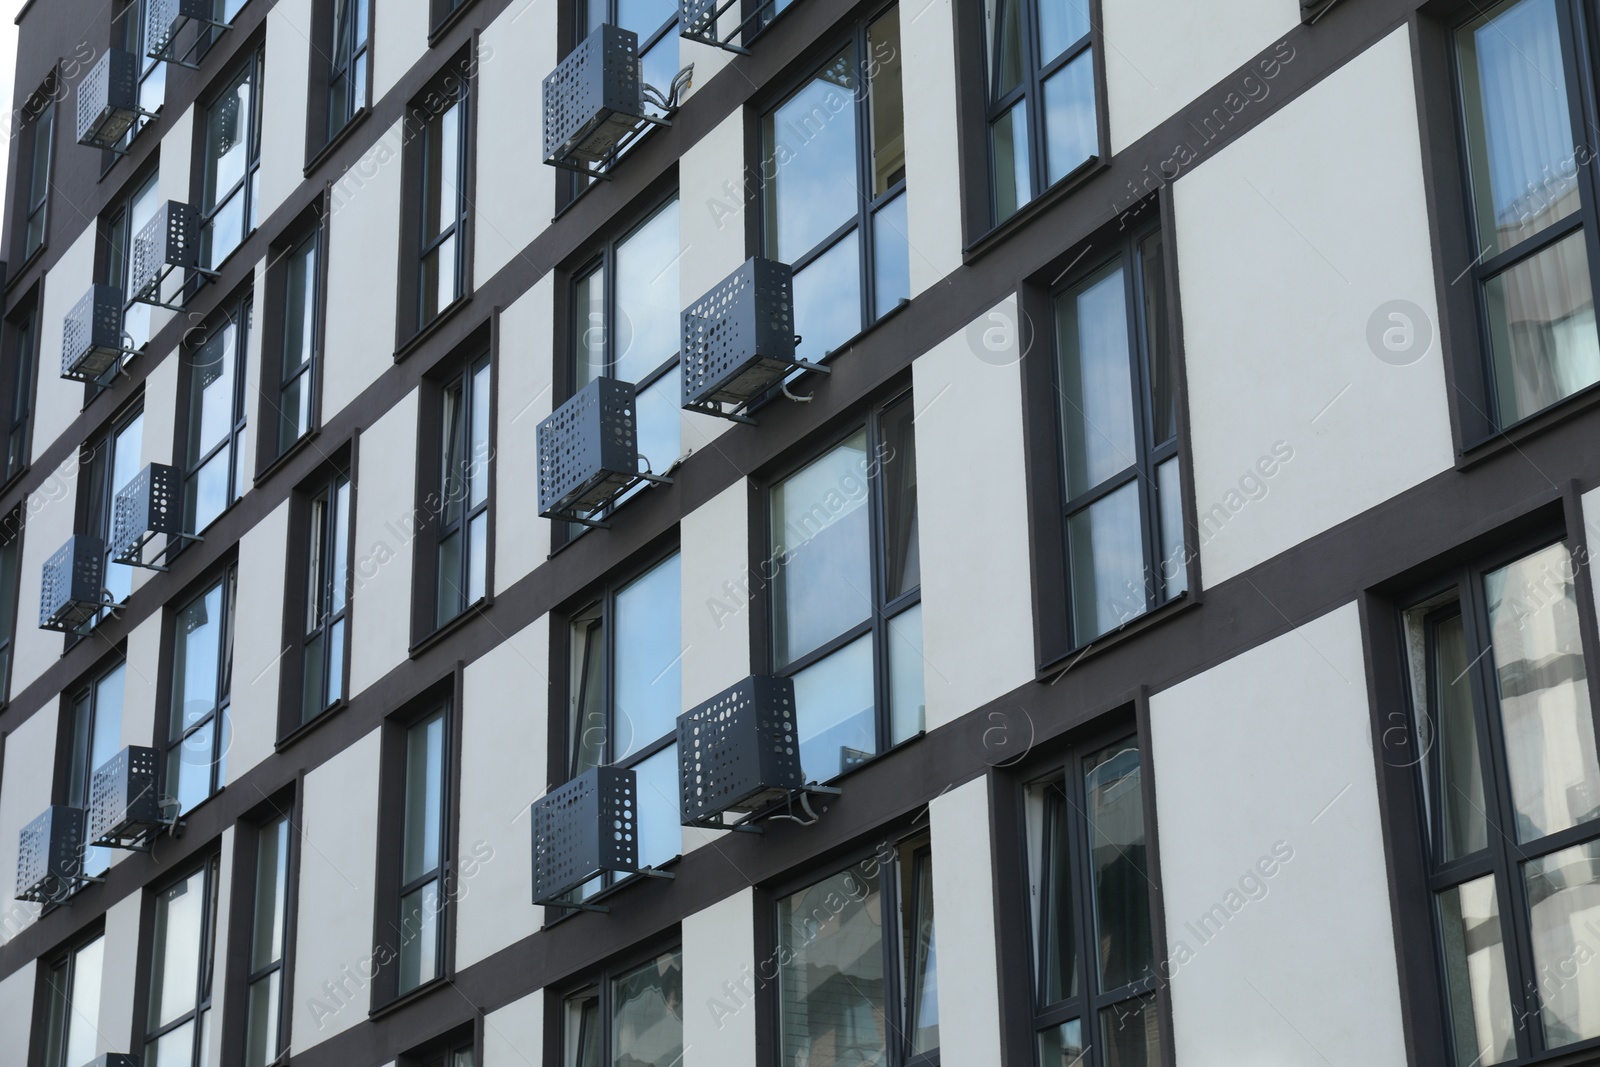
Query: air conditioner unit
[
  {"x": 589, "y": 452},
  {"x": 166, "y": 18},
  {"x": 738, "y": 340},
  {"x": 697, "y": 21},
  {"x": 92, "y": 341},
  {"x": 72, "y": 587},
  {"x": 150, "y": 505},
  {"x": 108, "y": 101},
  {"x": 125, "y": 802},
  {"x": 582, "y": 830},
  {"x": 594, "y": 102},
  {"x": 168, "y": 242},
  {"x": 50, "y": 856}
]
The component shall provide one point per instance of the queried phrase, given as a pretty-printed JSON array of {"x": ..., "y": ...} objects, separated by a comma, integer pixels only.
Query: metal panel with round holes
[
  {"x": 125, "y": 798},
  {"x": 167, "y": 243},
  {"x": 594, "y": 98},
  {"x": 583, "y": 829},
  {"x": 50, "y": 855},
  {"x": 588, "y": 450},
  {"x": 697, "y": 20},
  {"x": 165, "y": 18},
  {"x": 738, "y": 339},
  {"x": 739, "y": 751},
  {"x": 91, "y": 334},
  {"x": 108, "y": 99},
  {"x": 72, "y": 584},
  {"x": 146, "y": 506}
]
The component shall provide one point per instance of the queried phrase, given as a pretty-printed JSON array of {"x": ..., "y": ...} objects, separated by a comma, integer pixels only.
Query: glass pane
[
  {"x": 647, "y": 326},
  {"x": 1061, "y": 23},
  {"x": 208, "y": 491},
  {"x": 477, "y": 557},
  {"x": 225, "y": 230},
  {"x": 830, "y": 979},
  {"x": 834, "y": 705},
  {"x": 1163, "y": 367},
  {"x": 175, "y": 1048},
  {"x": 1519, "y": 134},
  {"x": 644, "y": 17},
  {"x": 660, "y": 829},
  {"x": 1542, "y": 329},
  {"x": 589, "y": 319},
  {"x": 659, "y": 421},
  {"x": 809, "y": 147},
  {"x": 1050, "y": 866},
  {"x": 1013, "y": 184},
  {"x": 294, "y": 411},
  {"x": 478, "y": 453},
  {"x": 1544, "y": 693},
  {"x": 299, "y": 341},
  {"x": 452, "y": 463},
  {"x": 226, "y": 143},
  {"x": 1106, "y": 560},
  {"x": 312, "y": 677},
  {"x": 827, "y": 299},
  {"x": 821, "y": 543},
  {"x": 438, "y": 278},
  {"x": 582, "y": 1031},
  {"x": 55, "y": 1033},
  {"x": 261, "y": 1021},
  {"x": 341, "y": 548},
  {"x": 658, "y": 65},
  {"x": 923, "y": 1015},
  {"x": 189, "y": 765},
  {"x": 211, "y": 391},
  {"x": 1062, "y": 1046},
  {"x": 1475, "y": 972},
  {"x": 1174, "y": 557},
  {"x": 424, "y": 797},
  {"x": 886, "y": 102},
  {"x": 1130, "y": 1033},
  {"x": 1096, "y": 380},
  {"x": 83, "y": 1020},
  {"x": 178, "y": 944},
  {"x": 335, "y": 664},
  {"x": 649, "y": 650},
  {"x": 1003, "y": 25},
  {"x": 1115, "y": 810},
  {"x": 141, "y": 209},
  {"x": 898, "y": 479},
  {"x": 647, "y": 1014},
  {"x": 1564, "y": 907},
  {"x": 891, "y": 257},
  {"x": 588, "y": 724},
  {"x": 1466, "y": 828},
  {"x": 450, "y": 597},
  {"x": 419, "y": 936},
  {"x": 907, "y": 707},
  {"x": 125, "y": 449},
  {"x": 272, "y": 876},
  {"x": 316, "y": 565},
  {"x": 1070, "y": 136}
]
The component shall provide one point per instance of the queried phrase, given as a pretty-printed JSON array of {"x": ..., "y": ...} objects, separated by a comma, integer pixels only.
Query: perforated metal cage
[
  {"x": 108, "y": 99},
  {"x": 72, "y": 584},
  {"x": 583, "y": 829},
  {"x": 739, "y": 751},
  {"x": 148, "y": 505},
  {"x": 594, "y": 98},
  {"x": 125, "y": 798},
  {"x": 588, "y": 450},
  {"x": 738, "y": 339},
  {"x": 168, "y": 242},
  {"x": 166, "y": 18},
  {"x": 697, "y": 20},
  {"x": 50, "y": 855},
  {"x": 91, "y": 334}
]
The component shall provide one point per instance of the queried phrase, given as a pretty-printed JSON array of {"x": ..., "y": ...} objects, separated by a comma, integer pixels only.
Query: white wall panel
[
  {"x": 49, "y": 522},
  {"x": 283, "y": 112},
  {"x": 522, "y": 538},
  {"x": 964, "y": 918},
  {"x": 513, "y": 1036},
  {"x": 258, "y": 649},
  {"x": 933, "y": 180},
  {"x": 719, "y": 984},
  {"x": 120, "y": 979},
  {"x": 58, "y": 400},
  {"x": 386, "y": 517},
  {"x": 515, "y": 192},
  {"x": 30, "y": 754},
  {"x": 399, "y": 39}
]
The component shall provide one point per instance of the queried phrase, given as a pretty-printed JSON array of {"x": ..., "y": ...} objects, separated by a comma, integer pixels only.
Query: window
[
  {"x": 858, "y": 970},
  {"x": 295, "y": 402},
  {"x": 846, "y": 594},
  {"x": 24, "y": 342},
  {"x": 39, "y": 138},
  {"x": 1094, "y": 954},
  {"x": 1042, "y": 116},
  {"x": 130, "y": 31},
  {"x": 1500, "y": 691},
  {"x": 1528, "y": 197},
  {"x": 347, "y": 66},
  {"x": 424, "y": 850},
  {"x": 442, "y": 203},
  {"x": 124, "y": 225},
  {"x": 214, "y": 439},
  {"x": 463, "y": 530},
  {"x": 230, "y": 155},
  {"x": 323, "y": 635},
  {"x": 72, "y": 1005},
  {"x": 264, "y": 1014},
  {"x": 183, "y": 952},
  {"x": 443, "y": 9},
  {"x": 10, "y": 559},
  {"x": 95, "y": 732},
  {"x": 624, "y": 695},
  {"x": 631, "y": 1015},
  {"x": 202, "y": 678},
  {"x": 1117, "y": 383},
  {"x": 626, "y": 321},
  {"x": 112, "y": 461},
  {"x": 457, "y": 1054},
  {"x": 834, "y": 203}
]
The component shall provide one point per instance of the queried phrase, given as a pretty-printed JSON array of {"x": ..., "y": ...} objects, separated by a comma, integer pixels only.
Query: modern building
[{"x": 978, "y": 533}]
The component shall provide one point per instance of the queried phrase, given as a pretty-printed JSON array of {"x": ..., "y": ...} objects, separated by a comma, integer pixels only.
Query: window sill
[
  {"x": 1579, "y": 403},
  {"x": 1025, "y": 215},
  {"x": 332, "y": 144},
  {"x": 434, "y": 325},
  {"x": 1051, "y": 671},
  {"x": 467, "y": 614},
  {"x": 300, "y": 445},
  {"x": 448, "y": 23},
  {"x": 310, "y": 725},
  {"x": 621, "y": 885},
  {"x": 23, "y": 267},
  {"x": 378, "y": 1011}
]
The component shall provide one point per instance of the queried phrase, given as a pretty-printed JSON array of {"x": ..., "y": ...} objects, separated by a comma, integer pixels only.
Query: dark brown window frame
[
  {"x": 18, "y": 381},
  {"x": 320, "y": 132},
  {"x": 219, "y": 572},
  {"x": 48, "y": 95},
  {"x": 251, "y": 67},
  {"x": 600, "y": 975},
  {"x": 238, "y": 310},
  {"x": 312, "y": 225},
  {"x": 209, "y": 860},
  {"x": 48, "y": 961},
  {"x": 287, "y": 803}
]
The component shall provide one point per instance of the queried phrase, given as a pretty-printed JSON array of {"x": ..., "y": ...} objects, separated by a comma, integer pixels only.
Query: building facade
[{"x": 1104, "y": 488}]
